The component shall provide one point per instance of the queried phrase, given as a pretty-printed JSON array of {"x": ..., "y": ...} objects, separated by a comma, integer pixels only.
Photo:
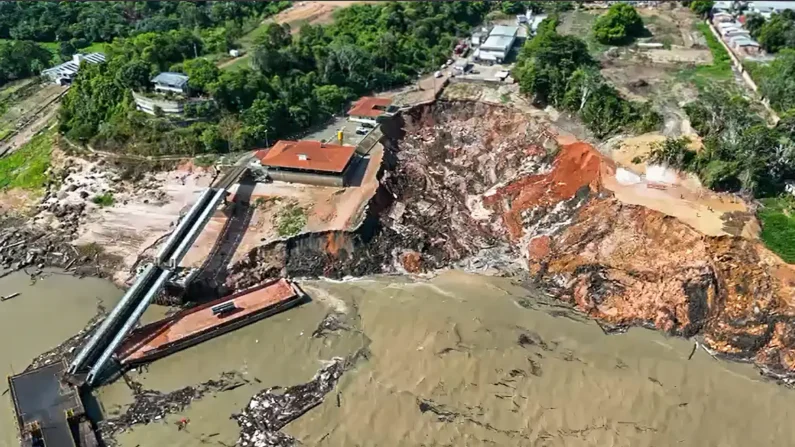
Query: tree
[
  {"x": 775, "y": 33},
  {"x": 202, "y": 74},
  {"x": 19, "y": 59},
  {"x": 778, "y": 82},
  {"x": 547, "y": 62},
  {"x": 701, "y": 7},
  {"x": 513, "y": 7},
  {"x": 331, "y": 98},
  {"x": 754, "y": 23},
  {"x": 620, "y": 24},
  {"x": 135, "y": 75},
  {"x": 673, "y": 152}
]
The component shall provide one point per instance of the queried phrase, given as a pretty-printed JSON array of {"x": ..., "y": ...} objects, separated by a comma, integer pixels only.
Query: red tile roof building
[
  {"x": 370, "y": 107},
  {"x": 309, "y": 156}
]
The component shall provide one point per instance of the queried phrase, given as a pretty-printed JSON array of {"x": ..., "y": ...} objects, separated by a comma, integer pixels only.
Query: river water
[
  {"x": 47, "y": 312},
  {"x": 456, "y": 360}
]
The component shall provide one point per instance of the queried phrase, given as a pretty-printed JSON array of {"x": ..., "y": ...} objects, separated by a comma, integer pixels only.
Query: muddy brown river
[{"x": 455, "y": 360}]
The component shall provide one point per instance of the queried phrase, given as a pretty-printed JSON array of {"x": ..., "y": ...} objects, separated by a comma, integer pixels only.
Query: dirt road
[{"x": 314, "y": 13}]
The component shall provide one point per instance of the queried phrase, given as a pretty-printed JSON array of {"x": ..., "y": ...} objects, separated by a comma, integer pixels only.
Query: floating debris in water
[
  {"x": 269, "y": 410},
  {"x": 151, "y": 405}
]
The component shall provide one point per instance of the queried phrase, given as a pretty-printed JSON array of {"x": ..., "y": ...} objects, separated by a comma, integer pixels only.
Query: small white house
[
  {"x": 171, "y": 82},
  {"x": 234, "y": 52}
]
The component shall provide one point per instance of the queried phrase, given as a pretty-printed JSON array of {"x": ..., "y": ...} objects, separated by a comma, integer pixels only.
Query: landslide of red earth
[{"x": 485, "y": 186}]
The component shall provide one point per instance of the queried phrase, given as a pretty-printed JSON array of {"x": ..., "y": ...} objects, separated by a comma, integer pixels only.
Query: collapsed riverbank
[{"x": 485, "y": 188}]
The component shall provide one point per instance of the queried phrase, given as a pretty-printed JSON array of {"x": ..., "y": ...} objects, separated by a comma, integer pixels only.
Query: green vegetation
[
  {"x": 558, "y": 70},
  {"x": 777, "y": 81},
  {"x": 672, "y": 152},
  {"x": 205, "y": 161},
  {"x": 701, "y": 7},
  {"x": 104, "y": 200},
  {"x": 20, "y": 59},
  {"x": 775, "y": 34},
  {"x": 26, "y": 168},
  {"x": 620, "y": 25},
  {"x": 778, "y": 226},
  {"x": 511, "y": 8},
  {"x": 84, "y": 23},
  {"x": 291, "y": 220},
  {"x": 294, "y": 82},
  {"x": 580, "y": 24},
  {"x": 705, "y": 76},
  {"x": 741, "y": 153}
]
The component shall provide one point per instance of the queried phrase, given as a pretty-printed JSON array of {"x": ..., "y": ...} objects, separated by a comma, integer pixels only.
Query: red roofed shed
[
  {"x": 369, "y": 108},
  {"x": 302, "y": 161}
]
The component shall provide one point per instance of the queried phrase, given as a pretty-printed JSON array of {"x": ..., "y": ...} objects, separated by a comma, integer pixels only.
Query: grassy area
[
  {"x": 291, "y": 220},
  {"x": 778, "y": 226},
  {"x": 580, "y": 24},
  {"x": 96, "y": 47},
  {"x": 53, "y": 47},
  {"x": 239, "y": 63},
  {"x": 719, "y": 71},
  {"x": 27, "y": 167},
  {"x": 104, "y": 200}
]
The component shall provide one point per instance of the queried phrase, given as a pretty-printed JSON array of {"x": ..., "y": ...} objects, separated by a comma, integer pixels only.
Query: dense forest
[
  {"x": 20, "y": 59},
  {"x": 86, "y": 22},
  {"x": 293, "y": 83},
  {"x": 558, "y": 70}
]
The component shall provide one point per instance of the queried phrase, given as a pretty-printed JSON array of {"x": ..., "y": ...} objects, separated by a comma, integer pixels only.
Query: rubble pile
[
  {"x": 150, "y": 405},
  {"x": 23, "y": 246},
  {"x": 273, "y": 408},
  {"x": 481, "y": 186}
]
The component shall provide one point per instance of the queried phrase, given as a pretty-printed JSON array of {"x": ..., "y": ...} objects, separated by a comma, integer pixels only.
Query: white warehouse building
[
  {"x": 63, "y": 74},
  {"x": 498, "y": 45}
]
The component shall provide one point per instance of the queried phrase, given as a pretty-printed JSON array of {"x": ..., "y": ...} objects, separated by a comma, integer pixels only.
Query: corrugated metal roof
[
  {"x": 497, "y": 43},
  {"x": 370, "y": 106},
  {"x": 71, "y": 67},
  {"x": 94, "y": 58},
  {"x": 309, "y": 155},
  {"x": 169, "y": 78},
  {"x": 504, "y": 30},
  {"x": 743, "y": 41}
]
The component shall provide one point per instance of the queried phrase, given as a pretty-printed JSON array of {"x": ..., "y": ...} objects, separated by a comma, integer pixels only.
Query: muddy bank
[
  {"x": 30, "y": 248},
  {"x": 489, "y": 189},
  {"x": 456, "y": 360}
]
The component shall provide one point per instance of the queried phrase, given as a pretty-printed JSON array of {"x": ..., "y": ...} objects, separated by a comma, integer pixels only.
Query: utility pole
[
  {"x": 266, "y": 138},
  {"x": 433, "y": 60}
]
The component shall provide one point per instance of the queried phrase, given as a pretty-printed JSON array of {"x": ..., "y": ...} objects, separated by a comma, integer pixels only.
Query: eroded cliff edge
[{"x": 487, "y": 188}]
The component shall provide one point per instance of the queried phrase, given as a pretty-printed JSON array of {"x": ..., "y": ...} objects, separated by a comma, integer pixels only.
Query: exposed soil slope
[{"x": 487, "y": 188}]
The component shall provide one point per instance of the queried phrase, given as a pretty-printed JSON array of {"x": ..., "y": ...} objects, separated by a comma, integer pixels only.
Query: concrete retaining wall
[
  {"x": 307, "y": 179},
  {"x": 146, "y": 104}
]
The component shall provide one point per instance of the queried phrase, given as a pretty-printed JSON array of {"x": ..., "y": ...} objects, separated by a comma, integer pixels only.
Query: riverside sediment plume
[
  {"x": 488, "y": 188},
  {"x": 460, "y": 359}
]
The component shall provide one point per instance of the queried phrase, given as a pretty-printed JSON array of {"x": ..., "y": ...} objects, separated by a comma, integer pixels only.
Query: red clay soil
[
  {"x": 576, "y": 165},
  {"x": 411, "y": 261}
]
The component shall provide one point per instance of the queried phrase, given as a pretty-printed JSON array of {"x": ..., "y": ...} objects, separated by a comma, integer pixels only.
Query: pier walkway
[{"x": 98, "y": 351}]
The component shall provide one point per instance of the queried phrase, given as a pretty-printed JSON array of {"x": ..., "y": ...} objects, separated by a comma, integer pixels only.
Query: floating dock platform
[
  {"x": 203, "y": 322},
  {"x": 48, "y": 410}
]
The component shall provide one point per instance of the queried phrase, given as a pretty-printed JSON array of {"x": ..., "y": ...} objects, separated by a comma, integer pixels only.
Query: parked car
[
  {"x": 438, "y": 74},
  {"x": 362, "y": 130}
]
